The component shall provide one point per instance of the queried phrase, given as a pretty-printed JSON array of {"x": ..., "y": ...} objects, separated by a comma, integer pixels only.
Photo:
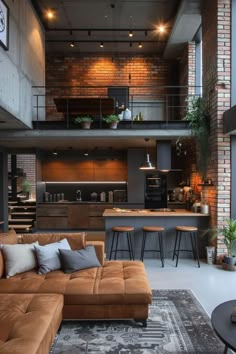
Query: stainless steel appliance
[
  {"x": 78, "y": 195},
  {"x": 155, "y": 191}
]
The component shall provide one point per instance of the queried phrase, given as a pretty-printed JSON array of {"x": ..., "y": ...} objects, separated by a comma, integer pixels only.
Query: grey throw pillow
[
  {"x": 72, "y": 261},
  {"x": 48, "y": 256},
  {"x": 19, "y": 258}
]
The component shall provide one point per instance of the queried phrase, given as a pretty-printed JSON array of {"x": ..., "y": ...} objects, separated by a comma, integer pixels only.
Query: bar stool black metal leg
[
  {"x": 177, "y": 253},
  {"x": 176, "y": 238},
  {"x": 161, "y": 249},
  {"x": 112, "y": 243},
  {"x": 143, "y": 245},
  {"x": 117, "y": 238},
  {"x": 193, "y": 245},
  {"x": 142, "y": 248},
  {"x": 131, "y": 245},
  {"x": 196, "y": 247}
]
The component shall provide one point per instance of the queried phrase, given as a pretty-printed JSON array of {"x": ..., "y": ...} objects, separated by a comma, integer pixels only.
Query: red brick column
[{"x": 216, "y": 82}]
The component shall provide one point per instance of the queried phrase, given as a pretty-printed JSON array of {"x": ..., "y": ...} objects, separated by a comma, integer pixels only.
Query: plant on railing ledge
[
  {"x": 199, "y": 121},
  {"x": 84, "y": 121},
  {"x": 112, "y": 120}
]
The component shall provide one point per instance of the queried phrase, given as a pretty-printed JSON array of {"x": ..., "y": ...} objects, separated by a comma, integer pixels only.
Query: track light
[
  {"x": 72, "y": 44},
  {"x": 146, "y": 33},
  {"x": 50, "y": 14},
  {"x": 140, "y": 45},
  {"x": 130, "y": 33},
  {"x": 55, "y": 152},
  {"x": 101, "y": 45}
]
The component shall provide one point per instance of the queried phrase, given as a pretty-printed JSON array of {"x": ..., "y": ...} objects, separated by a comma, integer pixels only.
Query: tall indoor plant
[{"x": 198, "y": 117}]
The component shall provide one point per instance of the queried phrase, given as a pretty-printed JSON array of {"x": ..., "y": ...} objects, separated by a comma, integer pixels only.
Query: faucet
[{"x": 78, "y": 195}]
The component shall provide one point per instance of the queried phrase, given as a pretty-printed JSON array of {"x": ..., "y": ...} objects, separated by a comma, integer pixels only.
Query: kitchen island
[{"x": 167, "y": 218}]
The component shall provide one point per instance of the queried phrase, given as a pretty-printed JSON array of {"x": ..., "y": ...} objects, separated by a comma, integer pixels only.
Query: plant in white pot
[
  {"x": 85, "y": 121},
  {"x": 112, "y": 120}
]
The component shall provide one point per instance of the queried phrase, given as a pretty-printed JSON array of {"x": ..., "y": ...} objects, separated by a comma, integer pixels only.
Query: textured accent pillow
[
  {"x": 48, "y": 256},
  {"x": 19, "y": 258},
  {"x": 72, "y": 261}
]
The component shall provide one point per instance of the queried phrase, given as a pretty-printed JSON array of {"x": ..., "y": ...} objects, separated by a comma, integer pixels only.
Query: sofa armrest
[{"x": 99, "y": 248}]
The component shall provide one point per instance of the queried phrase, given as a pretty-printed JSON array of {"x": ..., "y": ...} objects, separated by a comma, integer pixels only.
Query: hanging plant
[{"x": 199, "y": 122}]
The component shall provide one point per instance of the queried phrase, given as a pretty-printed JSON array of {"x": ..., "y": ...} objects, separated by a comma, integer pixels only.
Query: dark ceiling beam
[
  {"x": 102, "y": 29},
  {"x": 101, "y": 40}
]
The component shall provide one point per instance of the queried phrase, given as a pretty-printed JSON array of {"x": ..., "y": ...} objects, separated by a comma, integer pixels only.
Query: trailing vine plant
[{"x": 199, "y": 121}]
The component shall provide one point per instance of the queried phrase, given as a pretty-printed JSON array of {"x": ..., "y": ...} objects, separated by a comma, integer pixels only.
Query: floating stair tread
[
  {"x": 23, "y": 213},
  {"x": 20, "y": 220},
  {"x": 21, "y": 226},
  {"x": 24, "y": 207}
]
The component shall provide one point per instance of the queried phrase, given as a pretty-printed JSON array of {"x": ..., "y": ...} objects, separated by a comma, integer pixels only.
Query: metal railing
[{"x": 148, "y": 103}]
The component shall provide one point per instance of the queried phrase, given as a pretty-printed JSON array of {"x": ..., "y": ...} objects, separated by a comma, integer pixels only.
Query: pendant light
[{"x": 147, "y": 165}]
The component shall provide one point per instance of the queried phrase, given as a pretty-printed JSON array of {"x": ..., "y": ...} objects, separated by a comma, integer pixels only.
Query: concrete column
[{"x": 3, "y": 190}]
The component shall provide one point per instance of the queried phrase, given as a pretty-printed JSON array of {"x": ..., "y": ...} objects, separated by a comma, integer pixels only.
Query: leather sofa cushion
[
  {"x": 6, "y": 238},
  {"x": 119, "y": 282},
  {"x": 29, "y": 322},
  {"x": 76, "y": 240}
]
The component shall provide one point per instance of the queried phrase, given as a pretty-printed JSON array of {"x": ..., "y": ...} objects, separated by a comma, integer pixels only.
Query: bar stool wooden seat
[
  {"x": 122, "y": 230},
  {"x": 152, "y": 230},
  {"x": 192, "y": 231}
]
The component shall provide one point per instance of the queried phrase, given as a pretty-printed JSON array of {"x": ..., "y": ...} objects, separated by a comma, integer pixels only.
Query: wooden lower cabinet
[
  {"x": 71, "y": 216},
  {"x": 78, "y": 216}
]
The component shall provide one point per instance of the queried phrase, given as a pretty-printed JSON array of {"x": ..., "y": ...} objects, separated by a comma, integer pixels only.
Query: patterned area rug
[{"x": 177, "y": 323}]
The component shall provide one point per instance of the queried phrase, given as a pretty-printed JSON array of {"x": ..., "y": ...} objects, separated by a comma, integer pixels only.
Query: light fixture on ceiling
[
  {"x": 140, "y": 45},
  {"x": 55, "y": 153},
  {"x": 50, "y": 14},
  {"x": 131, "y": 34},
  {"x": 147, "y": 165},
  {"x": 161, "y": 29},
  {"x": 101, "y": 45},
  {"x": 72, "y": 44}
]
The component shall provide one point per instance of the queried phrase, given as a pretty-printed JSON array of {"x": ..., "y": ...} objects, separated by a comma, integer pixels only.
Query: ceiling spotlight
[
  {"x": 140, "y": 45},
  {"x": 55, "y": 152},
  {"x": 130, "y": 33},
  {"x": 161, "y": 29},
  {"x": 50, "y": 14},
  {"x": 72, "y": 44},
  {"x": 101, "y": 45}
]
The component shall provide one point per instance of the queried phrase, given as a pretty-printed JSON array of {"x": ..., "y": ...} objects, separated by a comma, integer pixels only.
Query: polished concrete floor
[{"x": 210, "y": 283}]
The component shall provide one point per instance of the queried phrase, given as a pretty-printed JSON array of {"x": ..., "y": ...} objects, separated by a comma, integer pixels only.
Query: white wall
[{"x": 23, "y": 65}]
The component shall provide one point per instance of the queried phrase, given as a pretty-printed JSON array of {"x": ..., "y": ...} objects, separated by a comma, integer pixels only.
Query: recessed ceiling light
[
  {"x": 140, "y": 45},
  {"x": 161, "y": 29},
  {"x": 101, "y": 45},
  {"x": 50, "y": 14},
  {"x": 72, "y": 44}
]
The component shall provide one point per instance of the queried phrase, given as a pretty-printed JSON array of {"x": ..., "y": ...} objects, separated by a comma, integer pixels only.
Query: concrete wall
[{"x": 23, "y": 65}]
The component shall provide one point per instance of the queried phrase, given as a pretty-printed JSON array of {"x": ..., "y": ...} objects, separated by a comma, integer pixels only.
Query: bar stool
[
  {"x": 192, "y": 230},
  {"x": 153, "y": 229},
  {"x": 122, "y": 230}
]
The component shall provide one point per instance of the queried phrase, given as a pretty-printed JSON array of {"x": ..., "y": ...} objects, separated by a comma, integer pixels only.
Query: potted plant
[
  {"x": 26, "y": 188},
  {"x": 112, "y": 120},
  {"x": 85, "y": 121},
  {"x": 228, "y": 232},
  {"x": 198, "y": 118}
]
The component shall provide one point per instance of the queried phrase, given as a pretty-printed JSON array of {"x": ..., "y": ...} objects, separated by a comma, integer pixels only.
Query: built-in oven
[{"x": 155, "y": 190}]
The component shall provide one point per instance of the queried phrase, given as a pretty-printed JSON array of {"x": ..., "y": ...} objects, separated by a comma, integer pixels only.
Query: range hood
[{"x": 163, "y": 149}]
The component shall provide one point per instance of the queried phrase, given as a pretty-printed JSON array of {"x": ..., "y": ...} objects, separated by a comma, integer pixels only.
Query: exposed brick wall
[
  {"x": 105, "y": 70},
  {"x": 216, "y": 69}
]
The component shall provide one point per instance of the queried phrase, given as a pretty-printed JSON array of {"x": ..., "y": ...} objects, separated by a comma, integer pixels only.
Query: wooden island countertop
[{"x": 147, "y": 212}]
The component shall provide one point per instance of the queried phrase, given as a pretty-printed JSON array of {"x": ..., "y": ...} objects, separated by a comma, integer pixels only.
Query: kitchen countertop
[{"x": 147, "y": 212}]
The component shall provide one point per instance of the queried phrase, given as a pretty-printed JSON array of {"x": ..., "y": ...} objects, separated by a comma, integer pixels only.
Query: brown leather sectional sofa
[{"x": 116, "y": 290}]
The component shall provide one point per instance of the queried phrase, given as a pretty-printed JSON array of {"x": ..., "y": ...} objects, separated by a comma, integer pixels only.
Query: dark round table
[{"x": 222, "y": 324}]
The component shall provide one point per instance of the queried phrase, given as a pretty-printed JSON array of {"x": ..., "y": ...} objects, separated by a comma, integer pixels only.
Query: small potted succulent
[
  {"x": 112, "y": 120},
  {"x": 85, "y": 121}
]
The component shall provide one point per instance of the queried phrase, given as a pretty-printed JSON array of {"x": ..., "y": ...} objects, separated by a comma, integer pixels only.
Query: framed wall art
[{"x": 4, "y": 24}]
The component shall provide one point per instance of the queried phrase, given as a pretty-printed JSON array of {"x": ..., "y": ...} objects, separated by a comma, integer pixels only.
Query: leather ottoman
[{"x": 29, "y": 322}]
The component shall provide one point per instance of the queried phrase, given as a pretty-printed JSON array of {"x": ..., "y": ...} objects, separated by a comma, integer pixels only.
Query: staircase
[{"x": 22, "y": 216}]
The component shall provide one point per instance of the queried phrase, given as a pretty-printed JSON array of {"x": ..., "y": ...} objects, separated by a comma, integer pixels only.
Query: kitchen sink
[{"x": 163, "y": 210}]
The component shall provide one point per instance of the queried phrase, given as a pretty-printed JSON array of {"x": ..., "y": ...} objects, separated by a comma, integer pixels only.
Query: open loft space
[{"x": 117, "y": 170}]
